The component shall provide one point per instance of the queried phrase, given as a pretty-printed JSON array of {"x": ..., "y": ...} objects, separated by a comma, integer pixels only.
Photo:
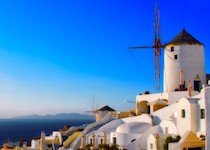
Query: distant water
[{"x": 17, "y": 129}]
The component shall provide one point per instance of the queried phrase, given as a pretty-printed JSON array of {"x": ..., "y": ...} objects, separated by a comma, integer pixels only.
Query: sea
[{"x": 26, "y": 129}]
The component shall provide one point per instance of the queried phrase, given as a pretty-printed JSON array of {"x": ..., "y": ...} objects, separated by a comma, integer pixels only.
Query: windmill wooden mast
[{"x": 157, "y": 45}]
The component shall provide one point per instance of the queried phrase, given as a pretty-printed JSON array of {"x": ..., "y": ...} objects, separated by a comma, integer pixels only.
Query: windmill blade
[
  {"x": 89, "y": 111},
  {"x": 156, "y": 47},
  {"x": 94, "y": 105},
  {"x": 139, "y": 47}
]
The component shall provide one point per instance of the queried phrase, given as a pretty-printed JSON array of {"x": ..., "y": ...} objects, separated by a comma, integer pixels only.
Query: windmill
[
  {"x": 157, "y": 45},
  {"x": 94, "y": 108}
]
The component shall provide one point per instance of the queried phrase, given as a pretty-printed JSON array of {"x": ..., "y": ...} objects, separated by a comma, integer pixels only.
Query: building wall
[
  {"x": 98, "y": 137},
  {"x": 183, "y": 124},
  {"x": 123, "y": 138},
  {"x": 174, "y": 146},
  {"x": 120, "y": 137},
  {"x": 172, "y": 97},
  {"x": 156, "y": 141},
  {"x": 151, "y": 142},
  {"x": 166, "y": 113},
  {"x": 194, "y": 117},
  {"x": 143, "y": 108},
  {"x": 101, "y": 114},
  {"x": 157, "y": 107},
  {"x": 168, "y": 127},
  {"x": 207, "y": 102},
  {"x": 189, "y": 122},
  {"x": 142, "y": 118},
  {"x": 202, "y": 121},
  {"x": 171, "y": 69},
  {"x": 111, "y": 126},
  {"x": 151, "y": 97},
  {"x": 122, "y": 114},
  {"x": 190, "y": 60}
]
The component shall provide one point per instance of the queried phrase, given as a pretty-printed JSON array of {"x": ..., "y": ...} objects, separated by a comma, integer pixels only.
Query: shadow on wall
[{"x": 156, "y": 120}]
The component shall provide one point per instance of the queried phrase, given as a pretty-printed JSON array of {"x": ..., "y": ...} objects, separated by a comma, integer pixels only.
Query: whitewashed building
[
  {"x": 181, "y": 110},
  {"x": 184, "y": 61}
]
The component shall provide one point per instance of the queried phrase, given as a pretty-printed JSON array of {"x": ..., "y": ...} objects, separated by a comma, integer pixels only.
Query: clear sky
[{"x": 55, "y": 55}]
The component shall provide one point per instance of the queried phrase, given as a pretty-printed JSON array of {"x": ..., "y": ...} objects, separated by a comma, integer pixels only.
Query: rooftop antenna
[{"x": 156, "y": 46}]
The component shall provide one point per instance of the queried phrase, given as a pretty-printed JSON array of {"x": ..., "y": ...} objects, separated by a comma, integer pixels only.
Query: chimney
[{"x": 189, "y": 88}]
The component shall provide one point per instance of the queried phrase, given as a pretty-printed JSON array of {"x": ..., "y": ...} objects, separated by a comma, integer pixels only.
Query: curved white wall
[
  {"x": 151, "y": 140},
  {"x": 190, "y": 60},
  {"x": 133, "y": 127},
  {"x": 123, "y": 138},
  {"x": 111, "y": 126},
  {"x": 141, "y": 118},
  {"x": 171, "y": 127}
]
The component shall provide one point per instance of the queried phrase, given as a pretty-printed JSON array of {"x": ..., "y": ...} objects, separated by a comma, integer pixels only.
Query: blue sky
[{"x": 55, "y": 55}]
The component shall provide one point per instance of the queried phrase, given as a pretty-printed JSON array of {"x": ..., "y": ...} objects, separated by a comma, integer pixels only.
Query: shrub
[
  {"x": 103, "y": 146},
  {"x": 107, "y": 147},
  {"x": 170, "y": 139},
  {"x": 114, "y": 147},
  {"x": 88, "y": 146},
  {"x": 202, "y": 137}
]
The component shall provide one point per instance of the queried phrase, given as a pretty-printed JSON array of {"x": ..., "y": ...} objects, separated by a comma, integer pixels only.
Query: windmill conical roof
[
  {"x": 106, "y": 108},
  {"x": 184, "y": 38}
]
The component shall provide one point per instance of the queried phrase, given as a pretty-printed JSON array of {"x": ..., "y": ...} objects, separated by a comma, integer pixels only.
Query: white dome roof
[
  {"x": 133, "y": 127},
  {"x": 111, "y": 126}
]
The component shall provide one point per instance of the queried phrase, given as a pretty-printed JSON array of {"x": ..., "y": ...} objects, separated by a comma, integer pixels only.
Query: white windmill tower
[
  {"x": 183, "y": 59},
  {"x": 184, "y": 62}
]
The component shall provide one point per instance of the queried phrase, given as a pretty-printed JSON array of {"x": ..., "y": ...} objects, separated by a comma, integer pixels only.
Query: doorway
[{"x": 197, "y": 85}]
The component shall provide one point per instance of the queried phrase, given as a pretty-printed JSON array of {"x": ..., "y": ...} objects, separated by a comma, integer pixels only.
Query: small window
[
  {"x": 202, "y": 113},
  {"x": 176, "y": 57},
  {"x": 183, "y": 113},
  {"x": 151, "y": 146},
  {"x": 114, "y": 140},
  {"x": 166, "y": 130},
  {"x": 172, "y": 49}
]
